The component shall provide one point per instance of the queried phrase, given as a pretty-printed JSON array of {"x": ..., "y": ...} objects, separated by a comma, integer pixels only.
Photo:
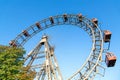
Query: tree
[
  {"x": 26, "y": 74},
  {"x": 11, "y": 64}
]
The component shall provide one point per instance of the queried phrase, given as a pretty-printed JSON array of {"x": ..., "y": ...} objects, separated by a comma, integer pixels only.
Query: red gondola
[
  {"x": 95, "y": 22},
  {"x": 25, "y": 33},
  {"x": 38, "y": 25},
  {"x": 12, "y": 43},
  {"x": 107, "y": 36},
  {"x": 80, "y": 17},
  {"x": 110, "y": 59},
  {"x": 65, "y": 17},
  {"x": 51, "y": 20}
]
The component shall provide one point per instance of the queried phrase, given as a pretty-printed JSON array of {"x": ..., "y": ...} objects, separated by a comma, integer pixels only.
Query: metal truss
[
  {"x": 91, "y": 66},
  {"x": 47, "y": 69}
]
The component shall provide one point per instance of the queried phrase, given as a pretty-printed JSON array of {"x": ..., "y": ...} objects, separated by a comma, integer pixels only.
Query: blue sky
[{"x": 72, "y": 44}]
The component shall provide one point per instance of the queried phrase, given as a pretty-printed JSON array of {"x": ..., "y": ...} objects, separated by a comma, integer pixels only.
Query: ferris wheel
[{"x": 48, "y": 68}]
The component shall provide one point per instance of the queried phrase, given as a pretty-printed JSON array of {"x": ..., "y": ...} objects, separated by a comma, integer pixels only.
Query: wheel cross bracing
[{"x": 91, "y": 66}]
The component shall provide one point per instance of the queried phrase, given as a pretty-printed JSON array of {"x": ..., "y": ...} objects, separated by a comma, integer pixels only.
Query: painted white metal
[{"x": 88, "y": 70}]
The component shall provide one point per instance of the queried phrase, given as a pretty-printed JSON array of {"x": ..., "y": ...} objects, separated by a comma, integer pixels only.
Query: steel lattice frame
[
  {"x": 92, "y": 65},
  {"x": 47, "y": 69}
]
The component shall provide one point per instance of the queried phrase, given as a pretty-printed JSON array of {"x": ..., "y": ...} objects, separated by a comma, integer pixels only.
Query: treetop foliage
[{"x": 11, "y": 64}]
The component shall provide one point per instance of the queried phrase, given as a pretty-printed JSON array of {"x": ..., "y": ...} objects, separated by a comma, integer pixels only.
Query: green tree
[{"x": 11, "y": 64}]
